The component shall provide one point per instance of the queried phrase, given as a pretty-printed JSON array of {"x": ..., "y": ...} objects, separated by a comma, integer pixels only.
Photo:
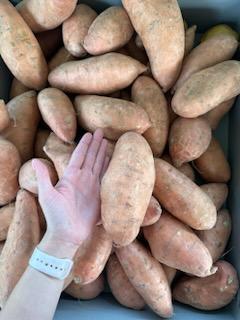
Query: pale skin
[{"x": 71, "y": 209}]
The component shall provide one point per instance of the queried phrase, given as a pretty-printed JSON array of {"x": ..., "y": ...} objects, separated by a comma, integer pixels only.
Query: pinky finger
[{"x": 105, "y": 166}]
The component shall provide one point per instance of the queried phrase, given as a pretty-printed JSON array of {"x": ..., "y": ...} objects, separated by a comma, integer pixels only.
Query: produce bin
[{"x": 204, "y": 13}]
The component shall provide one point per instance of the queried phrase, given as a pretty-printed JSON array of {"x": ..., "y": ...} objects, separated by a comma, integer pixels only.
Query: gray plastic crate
[{"x": 204, "y": 13}]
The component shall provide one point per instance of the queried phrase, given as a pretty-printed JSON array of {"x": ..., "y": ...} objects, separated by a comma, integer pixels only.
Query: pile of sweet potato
[{"x": 134, "y": 72}]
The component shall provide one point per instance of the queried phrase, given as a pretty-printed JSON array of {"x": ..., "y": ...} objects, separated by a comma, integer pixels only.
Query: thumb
[{"x": 43, "y": 177}]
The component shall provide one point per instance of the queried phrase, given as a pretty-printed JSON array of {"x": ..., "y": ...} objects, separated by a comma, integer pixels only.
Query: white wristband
[{"x": 52, "y": 266}]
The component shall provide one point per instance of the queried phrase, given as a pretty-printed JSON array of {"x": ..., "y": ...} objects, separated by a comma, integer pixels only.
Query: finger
[
  {"x": 98, "y": 165},
  {"x": 80, "y": 151},
  {"x": 93, "y": 150},
  {"x": 105, "y": 167},
  {"x": 43, "y": 177}
]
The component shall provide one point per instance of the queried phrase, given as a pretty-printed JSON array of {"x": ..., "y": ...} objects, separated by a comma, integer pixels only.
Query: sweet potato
[
  {"x": 45, "y": 14},
  {"x": 23, "y": 236},
  {"x": 218, "y": 193},
  {"x": 10, "y": 163},
  {"x": 17, "y": 88},
  {"x": 121, "y": 287},
  {"x": 86, "y": 76},
  {"x": 215, "y": 115},
  {"x": 59, "y": 152},
  {"x": 111, "y": 30},
  {"x": 206, "y": 89},
  {"x": 6, "y": 216},
  {"x": 183, "y": 198},
  {"x": 160, "y": 26},
  {"x": 127, "y": 187},
  {"x": 177, "y": 246},
  {"x": 170, "y": 273},
  {"x": 209, "y": 293},
  {"x": 188, "y": 139},
  {"x": 153, "y": 213},
  {"x": 61, "y": 57},
  {"x": 88, "y": 291},
  {"x": 41, "y": 138},
  {"x": 92, "y": 257},
  {"x": 190, "y": 39},
  {"x": 28, "y": 179},
  {"x": 50, "y": 41},
  {"x": 75, "y": 29},
  {"x": 2, "y": 243},
  {"x": 25, "y": 116},
  {"x": 58, "y": 113},
  {"x": 217, "y": 238},
  {"x": 207, "y": 54},
  {"x": 113, "y": 116},
  {"x": 147, "y": 276},
  {"x": 213, "y": 165},
  {"x": 147, "y": 94},
  {"x": 4, "y": 116},
  {"x": 20, "y": 49}
]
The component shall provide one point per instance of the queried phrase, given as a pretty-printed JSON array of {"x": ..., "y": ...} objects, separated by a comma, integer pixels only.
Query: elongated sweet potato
[
  {"x": 23, "y": 236},
  {"x": 190, "y": 39},
  {"x": 111, "y": 30},
  {"x": 28, "y": 179},
  {"x": 50, "y": 41},
  {"x": 206, "y": 89},
  {"x": 185, "y": 168},
  {"x": 58, "y": 112},
  {"x": 170, "y": 273},
  {"x": 183, "y": 198},
  {"x": 40, "y": 141},
  {"x": 209, "y": 293},
  {"x": 92, "y": 257},
  {"x": 17, "y": 88},
  {"x": 10, "y": 163},
  {"x": 6, "y": 216},
  {"x": 59, "y": 152},
  {"x": 213, "y": 165},
  {"x": 75, "y": 29},
  {"x": 113, "y": 116},
  {"x": 25, "y": 116},
  {"x": 45, "y": 14},
  {"x": 208, "y": 53},
  {"x": 87, "y": 291},
  {"x": 61, "y": 57},
  {"x": 147, "y": 94},
  {"x": 218, "y": 193},
  {"x": 20, "y": 49},
  {"x": 188, "y": 139},
  {"x": 215, "y": 115},
  {"x": 121, "y": 287},
  {"x": 127, "y": 187},
  {"x": 217, "y": 238},
  {"x": 160, "y": 26},
  {"x": 177, "y": 246},
  {"x": 147, "y": 276},
  {"x": 153, "y": 213},
  {"x": 4, "y": 116},
  {"x": 86, "y": 76}
]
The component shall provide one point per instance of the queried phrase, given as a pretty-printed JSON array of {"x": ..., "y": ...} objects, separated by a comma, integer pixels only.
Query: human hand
[{"x": 72, "y": 207}]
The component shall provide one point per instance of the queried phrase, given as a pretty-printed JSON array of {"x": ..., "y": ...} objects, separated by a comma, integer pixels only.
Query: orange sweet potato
[
  {"x": 4, "y": 116},
  {"x": 23, "y": 236},
  {"x": 61, "y": 57},
  {"x": 127, "y": 187},
  {"x": 183, "y": 198},
  {"x": 177, "y": 246},
  {"x": 6, "y": 216},
  {"x": 121, "y": 287},
  {"x": 58, "y": 112},
  {"x": 41, "y": 138},
  {"x": 147, "y": 276},
  {"x": 86, "y": 76},
  {"x": 210, "y": 293},
  {"x": 213, "y": 165},
  {"x": 147, "y": 94},
  {"x": 20, "y": 49},
  {"x": 153, "y": 213},
  {"x": 17, "y": 88},
  {"x": 188, "y": 139},
  {"x": 50, "y": 41},
  {"x": 218, "y": 192},
  {"x": 113, "y": 116}
]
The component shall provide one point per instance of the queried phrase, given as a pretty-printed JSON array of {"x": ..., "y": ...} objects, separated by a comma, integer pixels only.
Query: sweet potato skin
[
  {"x": 147, "y": 276},
  {"x": 17, "y": 88},
  {"x": 170, "y": 273},
  {"x": 218, "y": 192},
  {"x": 153, "y": 213},
  {"x": 210, "y": 293},
  {"x": 114, "y": 116},
  {"x": 41, "y": 138},
  {"x": 177, "y": 246},
  {"x": 4, "y": 116},
  {"x": 86, "y": 76},
  {"x": 186, "y": 168},
  {"x": 121, "y": 287},
  {"x": 62, "y": 56},
  {"x": 190, "y": 39},
  {"x": 20, "y": 49},
  {"x": 132, "y": 161},
  {"x": 160, "y": 26},
  {"x": 6, "y": 216},
  {"x": 183, "y": 198},
  {"x": 147, "y": 94}
]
